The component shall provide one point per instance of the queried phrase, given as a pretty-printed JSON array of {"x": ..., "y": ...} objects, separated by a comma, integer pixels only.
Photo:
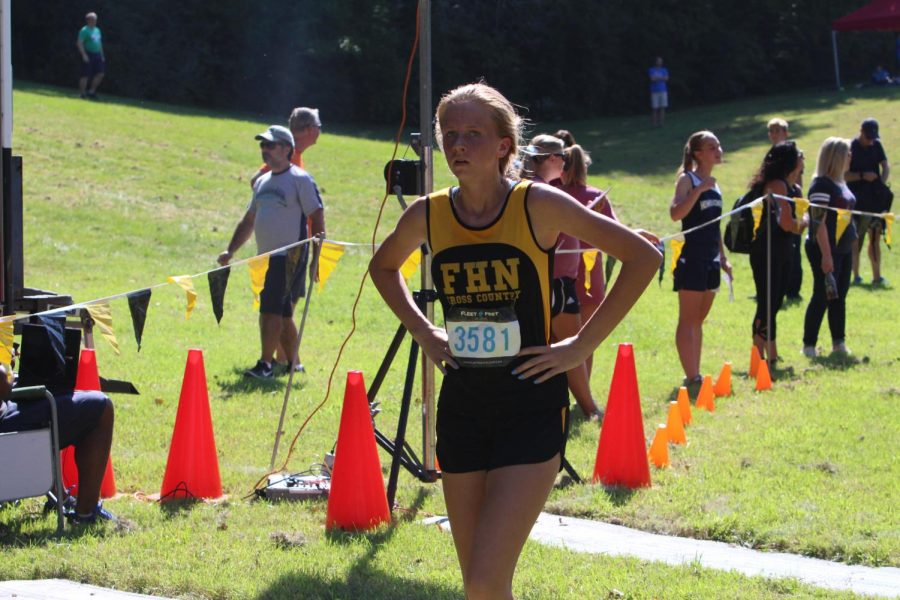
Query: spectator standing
[
  {"x": 659, "y": 92},
  {"x": 697, "y": 200},
  {"x": 93, "y": 61},
  {"x": 778, "y": 132},
  {"x": 305, "y": 126},
  {"x": 867, "y": 179},
  {"x": 829, "y": 258},
  {"x": 283, "y": 200},
  {"x": 880, "y": 76}
]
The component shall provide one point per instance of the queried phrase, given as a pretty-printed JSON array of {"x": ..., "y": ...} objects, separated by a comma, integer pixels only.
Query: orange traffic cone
[
  {"x": 659, "y": 449},
  {"x": 87, "y": 379},
  {"x": 706, "y": 399},
  {"x": 754, "y": 360},
  {"x": 723, "y": 383},
  {"x": 192, "y": 470},
  {"x": 674, "y": 426},
  {"x": 357, "y": 499},
  {"x": 763, "y": 379},
  {"x": 622, "y": 451},
  {"x": 684, "y": 405}
]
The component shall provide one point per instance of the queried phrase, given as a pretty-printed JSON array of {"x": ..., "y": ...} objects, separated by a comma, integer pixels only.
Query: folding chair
[{"x": 31, "y": 458}]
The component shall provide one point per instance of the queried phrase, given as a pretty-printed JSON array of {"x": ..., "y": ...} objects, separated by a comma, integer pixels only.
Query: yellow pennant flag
[
  {"x": 802, "y": 205},
  {"x": 888, "y": 225},
  {"x": 258, "y": 267},
  {"x": 757, "y": 209},
  {"x": 411, "y": 264},
  {"x": 590, "y": 259},
  {"x": 102, "y": 316},
  {"x": 329, "y": 255},
  {"x": 843, "y": 219},
  {"x": 676, "y": 245},
  {"x": 6, "y": 342},
  {"x": 187, "y": 284}
]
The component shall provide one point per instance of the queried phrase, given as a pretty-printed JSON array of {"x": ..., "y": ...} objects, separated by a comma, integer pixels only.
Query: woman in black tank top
[{"x": 489, "y": 445}]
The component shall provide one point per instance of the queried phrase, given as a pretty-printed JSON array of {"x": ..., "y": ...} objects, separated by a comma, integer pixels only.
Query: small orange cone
[
  {"x": 87, "y": 379},
  {"x": 754, "y": 360},
  {"x": 622, "y": 450},
  {"x": 723, "y": 383},
  {"x": 659, "y": 449},
  {"x": 192, "y": 470},
  {"x": 674, "y": 426},
  {"x": 706, "y": 399},
  {"x": 357, "y": 499},
  {"x": 684, "y": 405},
  {"x": 763, "y": 379}
]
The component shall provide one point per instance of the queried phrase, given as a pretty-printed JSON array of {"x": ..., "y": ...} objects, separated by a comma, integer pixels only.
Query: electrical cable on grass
[{"x": 362, "y": 283}]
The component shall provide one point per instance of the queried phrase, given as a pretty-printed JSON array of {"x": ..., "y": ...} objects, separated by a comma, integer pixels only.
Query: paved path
[
  {"x": 60, "y": 589},
  {"x": 595, "y": 537}
]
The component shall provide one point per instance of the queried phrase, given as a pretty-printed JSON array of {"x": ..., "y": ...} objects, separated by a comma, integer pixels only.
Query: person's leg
[
  {"x": 837, "y": 309},
  {"x": 500, "y": 533},
  {"x": 464, "y": 496},
  {"x": 269, "y": 334},
  {"x": 288, "y": 340},
  {"x": 562, "y": 326},
  {"x": 855, "y": 260},
  {"x": 82, "y": 86},
  {"x": 818, "y": 302},
  {"x": 759, "y": 325},
  {"x": 91, "y": 456},
  {"x": 586, "y": 311},
  {"x": 95, "y": 83},
  {"x": 875, "y": 252},
  {"x": 693, "y": 307}
]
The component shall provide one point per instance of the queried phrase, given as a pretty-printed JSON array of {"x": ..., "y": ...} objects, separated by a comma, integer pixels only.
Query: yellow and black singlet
[{"x": 494, "y": 286}]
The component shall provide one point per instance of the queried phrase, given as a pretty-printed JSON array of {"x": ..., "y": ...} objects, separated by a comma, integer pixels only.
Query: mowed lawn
[{"x": 119, "y": 195}]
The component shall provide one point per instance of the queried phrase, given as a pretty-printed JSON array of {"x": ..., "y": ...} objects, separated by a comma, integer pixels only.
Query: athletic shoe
[
  {"x": 840, "y": 349},
  {"x": 857, "y": 280},
  {"x": 879, "y": 282},
  {"x": 92, "y": 96},
  {"x": 809, "y": 351},
  {"x": 285, "y": 368},
  {"x": 262, "y": 370},
  {"x": 98, "y": 514}
]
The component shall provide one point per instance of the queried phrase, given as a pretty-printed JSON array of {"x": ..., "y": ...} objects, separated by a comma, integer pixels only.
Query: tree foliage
[{"x": 560, "y": 58}]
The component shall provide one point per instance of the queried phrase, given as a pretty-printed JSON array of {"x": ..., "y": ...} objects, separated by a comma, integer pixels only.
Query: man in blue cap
[{"x": 284, "y": 200}]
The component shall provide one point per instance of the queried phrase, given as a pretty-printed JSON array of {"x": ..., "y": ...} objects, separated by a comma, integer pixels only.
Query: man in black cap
[
  {"x": 867, "y": 179},
  {"x": 284, "y": 199}
]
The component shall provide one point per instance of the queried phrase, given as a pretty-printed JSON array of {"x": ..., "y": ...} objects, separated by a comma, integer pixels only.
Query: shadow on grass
[
  {"x": 363, "y": 579},
  {"x": 17, "y": 521},
  {"x": 237, "y": 383},
  {"x": 839, "y": 362},
  {"x": 618, "y": 495}
]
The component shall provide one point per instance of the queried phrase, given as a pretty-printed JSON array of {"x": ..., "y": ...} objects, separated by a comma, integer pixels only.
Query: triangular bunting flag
[
  {"x": 610, "y": 265},
  {"x": 102, "y": 316},
  {"x": 676, "y": 245},
  {"x": 756, "y": 208},
  {"x": 218, "y": 281},
  {"x": 843, "y": 220},
  {"x": 802, "y": 205},
  {"x": 187, "y": 284},
  {"x": 6, "y": 342},
  {"x": 411, "y": 264},
  {"x": 590, "y": 259},
  {"x": 888, "y": 225},
  {"x": 258, "y": 267},
  {"x": 329, "y": 255},
  {"x": 137, "y": 304}
]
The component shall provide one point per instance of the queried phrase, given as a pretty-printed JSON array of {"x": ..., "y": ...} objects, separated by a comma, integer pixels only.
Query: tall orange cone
[
  {"x": 706, "y": 399},
  {"x": 684, "y": 405},
  {"x": 622, "y": 451},
  {"x": 659, "y": 449},
  {"x": 87, "y": 379},
  {"x": 723, "y": 383},
  {"x": 763, "y": 379},
  {"x": 192, "y": 470},
  {"x": 754, "y": 360},
  {"x": 357, "y": 499},
  {"x": 674, "y": 426}
]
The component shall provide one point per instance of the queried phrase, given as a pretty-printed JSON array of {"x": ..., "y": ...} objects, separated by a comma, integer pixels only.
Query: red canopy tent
[{"x": 878, "y": 15}]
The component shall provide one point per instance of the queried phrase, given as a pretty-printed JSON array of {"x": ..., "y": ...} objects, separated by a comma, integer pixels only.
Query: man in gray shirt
[{"x": 284, "y": 199}]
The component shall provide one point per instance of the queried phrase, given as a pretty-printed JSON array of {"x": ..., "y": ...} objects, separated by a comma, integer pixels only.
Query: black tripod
[{"x": 400, "y": 450}]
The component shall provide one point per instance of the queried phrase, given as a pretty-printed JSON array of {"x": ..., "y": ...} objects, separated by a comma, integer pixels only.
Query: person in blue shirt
[
  {"x": 659, "y": 94},
  {"x": 93, "y": 61}
]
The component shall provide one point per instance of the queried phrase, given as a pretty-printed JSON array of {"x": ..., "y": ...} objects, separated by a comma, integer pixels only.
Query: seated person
[
  {"x": 86, "y": 422},
  {"x": 880, "y": 76}
]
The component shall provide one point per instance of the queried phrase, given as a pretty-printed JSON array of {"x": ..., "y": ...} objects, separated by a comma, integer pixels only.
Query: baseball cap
[
  {"x": 277, "y": 133},
  {"x": 870, "y": 128}
]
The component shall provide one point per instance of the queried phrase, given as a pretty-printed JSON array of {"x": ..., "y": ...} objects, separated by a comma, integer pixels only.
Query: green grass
[{"x": 120, "y": 195}]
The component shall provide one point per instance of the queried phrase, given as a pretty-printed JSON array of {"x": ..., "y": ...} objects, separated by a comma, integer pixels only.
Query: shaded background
[{"x": 560, "y": 58}]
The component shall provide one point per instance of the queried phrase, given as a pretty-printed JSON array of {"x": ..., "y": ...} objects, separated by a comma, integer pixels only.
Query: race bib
[{"x": 483, "y": 337}]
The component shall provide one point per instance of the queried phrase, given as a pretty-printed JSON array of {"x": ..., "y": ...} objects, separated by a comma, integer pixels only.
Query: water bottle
[{"x": 831, "y": 291}]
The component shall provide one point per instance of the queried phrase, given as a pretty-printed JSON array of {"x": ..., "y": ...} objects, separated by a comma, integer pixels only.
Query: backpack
[{"x": 738, "y": 235}]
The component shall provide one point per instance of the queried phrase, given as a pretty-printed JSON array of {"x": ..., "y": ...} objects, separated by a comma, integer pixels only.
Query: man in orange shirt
[{"x": 305, "y": 126}]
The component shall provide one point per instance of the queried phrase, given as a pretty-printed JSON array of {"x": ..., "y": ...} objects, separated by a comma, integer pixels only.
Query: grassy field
[{"x": 120, "y": 195}]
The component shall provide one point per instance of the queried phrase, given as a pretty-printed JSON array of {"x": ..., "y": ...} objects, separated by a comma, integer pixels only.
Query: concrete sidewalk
[
  {"x": 61, "y": 589},
  {"x": 582, "y": 535}
]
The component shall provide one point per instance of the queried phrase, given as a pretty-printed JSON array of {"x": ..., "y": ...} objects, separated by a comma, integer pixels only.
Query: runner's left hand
[{"x": 551, "y": 360}]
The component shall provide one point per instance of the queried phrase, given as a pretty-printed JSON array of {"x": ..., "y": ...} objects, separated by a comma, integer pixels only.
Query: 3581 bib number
[{"x": 483, "y": 338}]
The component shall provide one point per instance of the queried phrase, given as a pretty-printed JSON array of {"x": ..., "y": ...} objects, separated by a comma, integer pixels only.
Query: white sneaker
[
  {"x": 809, "y": 351},
  {"x": 841, "y": 349}
]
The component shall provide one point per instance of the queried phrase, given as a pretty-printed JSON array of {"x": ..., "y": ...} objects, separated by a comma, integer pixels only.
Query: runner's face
[
  {"x": 470, "y": 140},
  {"x": 710, "y": 152}
]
